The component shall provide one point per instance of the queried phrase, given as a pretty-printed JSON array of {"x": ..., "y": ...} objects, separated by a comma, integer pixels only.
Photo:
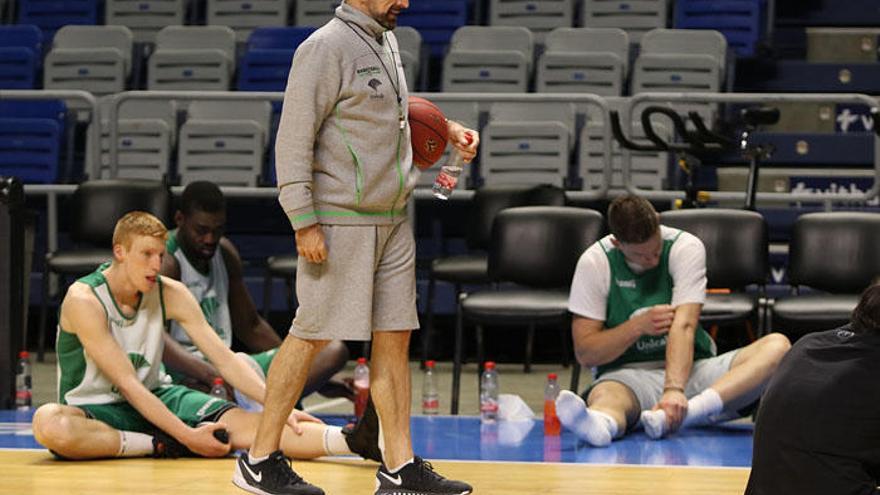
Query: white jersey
[
  {"x": 211, "y": 290},
  {"x": 80, "y": 382}
]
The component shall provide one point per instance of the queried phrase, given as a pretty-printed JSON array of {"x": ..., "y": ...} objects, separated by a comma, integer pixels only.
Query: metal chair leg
[
  {"x": 267, "y": 293},
  {"x": 575, "y": 376},
  {"x": 481, "y": 349},
  {"x": 44, "y": 310},
  {"x": 530, "y": 346},
  {"x": 456, "y": 360},
  {"x": 428, "y": 331}
]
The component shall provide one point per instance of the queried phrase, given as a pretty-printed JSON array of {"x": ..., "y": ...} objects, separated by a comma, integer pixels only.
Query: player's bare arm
[{"x": 83, "y": 315}]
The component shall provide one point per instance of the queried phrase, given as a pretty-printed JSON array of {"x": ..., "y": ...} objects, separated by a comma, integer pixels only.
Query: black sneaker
[
  {"x": 363, "y": 437},
  {"x": 418, "y": 478},
  {"x": 167, "y": 447},
  {"x": 272, "y": 476}
]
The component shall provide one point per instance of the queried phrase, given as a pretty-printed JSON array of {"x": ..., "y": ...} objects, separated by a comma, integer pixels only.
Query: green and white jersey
[
  {"x": 210, "y": 289},
  {"x": 80, "y": 382},
  {"x": 606, "y": 287}
]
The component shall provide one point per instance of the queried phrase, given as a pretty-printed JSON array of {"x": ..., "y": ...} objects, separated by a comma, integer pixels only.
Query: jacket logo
[
  {"x": 374, "y": 85},
  {"x": 629, "y": 284}
]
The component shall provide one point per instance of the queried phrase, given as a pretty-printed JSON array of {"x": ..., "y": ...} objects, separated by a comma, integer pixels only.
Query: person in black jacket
[{"x": 818, "y": 427}]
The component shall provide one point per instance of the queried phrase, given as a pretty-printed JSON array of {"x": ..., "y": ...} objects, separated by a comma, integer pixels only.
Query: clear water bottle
[
  {"x": 23, "y": 386},
  {"x": 361, "y": 386},
  {"x": 218, "y": 389},
  {"x": 430, "y": 398},
  {"x": 489, "y": 393},
  {"x": 447, "y": 179},
  {"x": 551, "y": 420}
]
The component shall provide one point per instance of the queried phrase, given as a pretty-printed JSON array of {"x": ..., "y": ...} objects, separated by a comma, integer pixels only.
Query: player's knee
[
  {"x": 775, "y": 346},
  {"x": 337, "y": 352},
  {"x": 52, "y": 427}
]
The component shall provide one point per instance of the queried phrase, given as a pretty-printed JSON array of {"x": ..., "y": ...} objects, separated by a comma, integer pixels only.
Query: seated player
[
  {"x": 636, "y": 298},
  {"x": 115, "y": 400},
  {"x": 209, "y": 265},
  {"x": 818, "y": 425}
]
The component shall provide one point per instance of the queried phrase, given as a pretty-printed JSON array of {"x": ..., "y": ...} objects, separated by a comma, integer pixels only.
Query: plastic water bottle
[
  {"x": 489, "y": 393},
  {"x": 551, "y": 420},
  {"x": 430, "y": 398},
  {"x": 446, "y": 180},
  {"x": 218, "y": 389},
  {"x": 23, "y": 389},
  {"x": 361, "y": 386}
]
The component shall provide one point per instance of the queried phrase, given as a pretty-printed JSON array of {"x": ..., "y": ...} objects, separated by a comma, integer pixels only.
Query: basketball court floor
[{"x": 509, "y": 458}]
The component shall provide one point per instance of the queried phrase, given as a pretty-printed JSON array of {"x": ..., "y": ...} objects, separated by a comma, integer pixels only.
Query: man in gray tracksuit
[{"x": 345, "y": 173}]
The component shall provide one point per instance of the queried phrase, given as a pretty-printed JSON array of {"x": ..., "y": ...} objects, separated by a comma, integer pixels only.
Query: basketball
[{"x": 429, "y": 133}]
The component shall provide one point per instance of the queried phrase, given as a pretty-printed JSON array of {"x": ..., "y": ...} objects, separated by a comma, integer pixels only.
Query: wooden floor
[{"x": 36, "y": 472}]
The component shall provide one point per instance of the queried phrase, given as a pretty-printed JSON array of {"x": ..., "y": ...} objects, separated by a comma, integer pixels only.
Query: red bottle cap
[
  {"x": 551, "y": 376},
  {"x": 489, "y": 365},
  {"x": 429, "y": 364},
  {"x": 362, "y": 360},
  {"x": 23, "y": 355},
  {"x": 218, "y": 381}
]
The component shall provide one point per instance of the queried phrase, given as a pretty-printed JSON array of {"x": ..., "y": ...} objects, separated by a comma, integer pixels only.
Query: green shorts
[
  {"x": 263, "y": 359},
  {"x": 191, "y": 406}
]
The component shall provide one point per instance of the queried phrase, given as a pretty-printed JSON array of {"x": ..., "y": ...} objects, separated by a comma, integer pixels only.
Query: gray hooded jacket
[{"x": 343, "y": 153}]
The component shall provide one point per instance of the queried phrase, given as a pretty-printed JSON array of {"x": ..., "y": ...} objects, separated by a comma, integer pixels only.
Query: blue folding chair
[
  {"x": 266, "y": 61},
  {"x": 740, "y": 21},
  {"x": 21, "y": 55},
  {"x": 51, "y": 15},
  {"x": 31, "y": 134},
  {"x": 436, "y": 21}
]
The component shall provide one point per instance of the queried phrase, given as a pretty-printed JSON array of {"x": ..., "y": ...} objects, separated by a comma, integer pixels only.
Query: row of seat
[
  {"x": 481, "y": 59},
  {"x": 229, "y": 141},
  {"x": 537, "y": 248}
]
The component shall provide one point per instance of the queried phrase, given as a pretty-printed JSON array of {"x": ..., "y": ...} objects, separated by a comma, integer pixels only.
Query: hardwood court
[{"x": 36, "y": 472}]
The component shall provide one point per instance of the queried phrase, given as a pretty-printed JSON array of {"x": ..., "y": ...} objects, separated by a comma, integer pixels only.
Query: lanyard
[{"x": 395, "y": 84}]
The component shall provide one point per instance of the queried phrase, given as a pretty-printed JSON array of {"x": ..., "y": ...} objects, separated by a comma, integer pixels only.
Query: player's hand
[
  {"x": 465, "y": 140},
  {"x": 296, "y": 417},
  {"x": 310, "y": 243},
  {"x": 656, "y": 321},
  {"x": 674, "y": 403},
  {"x": 203, "y": 442}
]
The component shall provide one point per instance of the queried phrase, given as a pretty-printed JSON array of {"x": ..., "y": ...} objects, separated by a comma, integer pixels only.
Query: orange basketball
[{"x": 429, "y": 132}]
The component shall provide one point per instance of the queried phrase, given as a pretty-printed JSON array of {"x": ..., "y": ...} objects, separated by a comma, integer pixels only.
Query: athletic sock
[
  {"x": 398, "y": 468},
  {"x": 595, "y": 427},
  {"x": 254, "y": 460},
  {"x": 134, "y": 444},
  {"x": 334, "y": 441},
  {"x": 701, "y": 408}
]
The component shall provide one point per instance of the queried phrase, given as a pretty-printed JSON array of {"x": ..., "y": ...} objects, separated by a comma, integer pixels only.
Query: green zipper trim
[
  {"x": 359, "y": 175},
  {"x": 391, "y": 212},
  {"x": 400, "y": 182}
]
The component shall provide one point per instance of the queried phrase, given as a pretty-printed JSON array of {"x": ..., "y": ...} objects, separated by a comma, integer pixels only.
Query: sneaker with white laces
[
  {"x": 271, "y": 476},
  {"x": 417, "y": 478}
]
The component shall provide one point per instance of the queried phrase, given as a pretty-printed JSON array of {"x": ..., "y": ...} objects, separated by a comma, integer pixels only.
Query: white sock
[
  {"x": 595, "y": 427},
  {"x": 134, "y": 444},
  {"x": 254, "y": 460},
  {"x": 334, "y": 441},
  {"x": 398, "y": 468},
  {"x": 700, "y": 408}
]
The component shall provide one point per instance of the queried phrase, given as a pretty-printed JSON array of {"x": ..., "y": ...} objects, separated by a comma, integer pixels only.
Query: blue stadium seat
[
  {"x": 740, "y": 21},
  {"x": 21, "y": 55},
  {"x": 50, "y": 15},
  {"x": 266, "y": 61},
  {"x": 436, "y": 21},
  {"x": 31, "y": 134}
]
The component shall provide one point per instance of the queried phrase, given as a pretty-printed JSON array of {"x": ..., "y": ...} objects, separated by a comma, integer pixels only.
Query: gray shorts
[
  {"x": 367, "y": 283},
  {"x": 646, "y": 379}
]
